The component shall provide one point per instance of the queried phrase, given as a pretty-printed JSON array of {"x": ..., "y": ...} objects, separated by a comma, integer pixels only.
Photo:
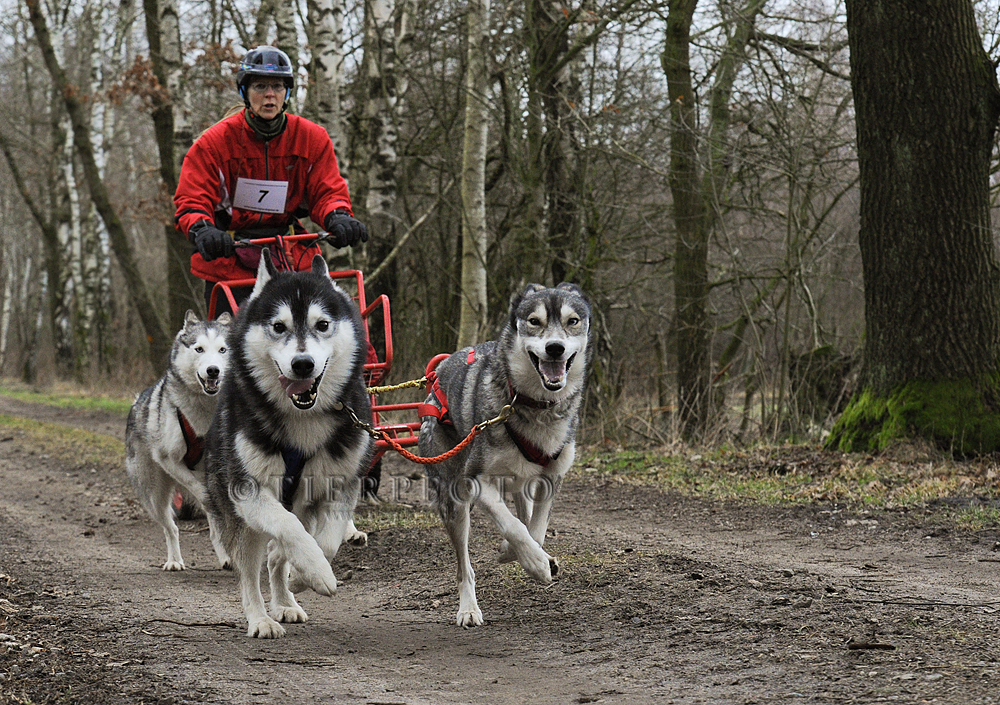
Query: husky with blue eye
[
  {"x": 537, "y": 366},
  {"x": 283, "y": 456}
]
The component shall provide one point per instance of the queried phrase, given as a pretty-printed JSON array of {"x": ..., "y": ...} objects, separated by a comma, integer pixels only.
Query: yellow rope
[{"x": 413, "y": 383}]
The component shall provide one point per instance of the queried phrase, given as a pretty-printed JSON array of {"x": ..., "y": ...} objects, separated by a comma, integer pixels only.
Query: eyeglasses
[{"x": 265, "y": 87}]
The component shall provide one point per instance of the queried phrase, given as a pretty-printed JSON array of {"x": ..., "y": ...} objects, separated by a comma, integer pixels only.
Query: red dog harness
[
  {"x": 530, "y": 452},
  {"x": 195, "y": 443}
]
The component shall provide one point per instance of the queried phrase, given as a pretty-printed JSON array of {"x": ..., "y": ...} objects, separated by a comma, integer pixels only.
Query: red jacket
[{"x": 300, "y": 171}]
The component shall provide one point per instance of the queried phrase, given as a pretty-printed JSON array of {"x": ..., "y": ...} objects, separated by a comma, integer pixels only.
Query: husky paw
[
  {"x": 289, "y": 615},
  {"x": 356, "y": 538},
  {"x": 226, "y": 565},
  {"x": 174, "y": 565},
  {"x": 321, "y": 581},
  {"x": 541, "y": 567},
  {"x": 469, "y": 618},
  {"x": 265, "y": 628}
]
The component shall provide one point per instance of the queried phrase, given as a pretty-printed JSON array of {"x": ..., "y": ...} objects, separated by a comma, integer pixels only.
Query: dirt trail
[{"x": 661, "y": 599}]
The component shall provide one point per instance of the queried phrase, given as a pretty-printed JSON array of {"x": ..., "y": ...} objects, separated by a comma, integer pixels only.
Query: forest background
[{"x": 571, "y": 122}]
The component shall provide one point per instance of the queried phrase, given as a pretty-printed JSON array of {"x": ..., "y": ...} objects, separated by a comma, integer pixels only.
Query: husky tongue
[
  {"x": 295, "y": 386},
  {"x": 552, "y": 369}
]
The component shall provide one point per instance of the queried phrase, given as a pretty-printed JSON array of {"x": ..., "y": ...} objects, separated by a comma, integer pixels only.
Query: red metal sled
[{"x": 378, "y": 366}]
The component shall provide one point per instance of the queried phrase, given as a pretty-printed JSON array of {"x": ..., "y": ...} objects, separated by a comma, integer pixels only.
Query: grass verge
[
  {"x": 903, "y": 477},
  {"x": 67, "y": 399},
  {"x": 71, "y": 446}
]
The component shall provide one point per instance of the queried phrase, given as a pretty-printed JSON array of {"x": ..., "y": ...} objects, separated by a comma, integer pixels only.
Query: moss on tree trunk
[
  {"x": 926, "y": 102},
  {"x": 961, "y": 416}
]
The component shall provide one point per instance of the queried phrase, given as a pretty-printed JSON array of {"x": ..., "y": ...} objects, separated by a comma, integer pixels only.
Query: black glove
[
  {"x": 210, "y": 241},
  {"x": 345, "y": 229}
]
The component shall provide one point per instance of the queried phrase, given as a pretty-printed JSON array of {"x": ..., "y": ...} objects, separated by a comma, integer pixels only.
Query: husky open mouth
[
  {"x": 552, "y": 372},
  {"x": 302, "y": 392},
  {"x": 210, "y": 385}
]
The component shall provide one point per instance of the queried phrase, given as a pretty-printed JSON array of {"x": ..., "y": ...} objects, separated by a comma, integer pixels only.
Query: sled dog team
[{"x": 253, "y": 420}]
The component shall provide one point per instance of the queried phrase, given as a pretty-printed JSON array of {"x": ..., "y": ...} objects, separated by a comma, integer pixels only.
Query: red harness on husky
[
  {"x": 195, "y": 443},
  {"x": 531, "y": 452}
]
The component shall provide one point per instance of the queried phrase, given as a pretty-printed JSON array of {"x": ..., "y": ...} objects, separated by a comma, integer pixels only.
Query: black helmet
[{"x": 266, "y": 62}]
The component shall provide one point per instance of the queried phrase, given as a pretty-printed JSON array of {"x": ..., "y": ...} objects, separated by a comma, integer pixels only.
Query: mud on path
[{"x": 661, "y": 598}]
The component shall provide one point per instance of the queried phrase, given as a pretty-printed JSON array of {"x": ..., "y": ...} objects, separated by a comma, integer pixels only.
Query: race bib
[{"x": 260, "y": 196}]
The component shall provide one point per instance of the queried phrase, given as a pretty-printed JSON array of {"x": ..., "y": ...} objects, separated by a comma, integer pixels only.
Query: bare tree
[
  {"x": 927, "y": 103},
  {"x": 697, "y": 192},
  {"x": 159, "y": 341},
  {"x": 473, "y": 317},
  {"x": 174, "y": 135}
]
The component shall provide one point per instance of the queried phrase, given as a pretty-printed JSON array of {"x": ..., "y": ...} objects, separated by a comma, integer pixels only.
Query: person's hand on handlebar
[
  {"x": 345, "y": 230},
  {"x": 210, "y": 241}
]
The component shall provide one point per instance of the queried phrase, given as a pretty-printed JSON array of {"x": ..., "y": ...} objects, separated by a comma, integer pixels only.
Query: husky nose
[
  {"x": 212, "y": 372},
  {"x": 555, "y": 350},
  {"x": 302, "y": 365}
]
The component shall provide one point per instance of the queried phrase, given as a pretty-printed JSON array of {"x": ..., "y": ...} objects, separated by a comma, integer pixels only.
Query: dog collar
[{"x": 519, "y": 399}]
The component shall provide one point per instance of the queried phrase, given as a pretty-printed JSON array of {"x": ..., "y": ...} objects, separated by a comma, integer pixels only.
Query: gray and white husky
[
  {"x": 538, "y": 366},
  {"x": 166, "y": 426},
  {"x": 283, "y": 456}
]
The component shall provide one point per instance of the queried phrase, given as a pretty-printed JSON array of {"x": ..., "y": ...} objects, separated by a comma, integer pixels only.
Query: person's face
[{"x": 267, "y": 97}]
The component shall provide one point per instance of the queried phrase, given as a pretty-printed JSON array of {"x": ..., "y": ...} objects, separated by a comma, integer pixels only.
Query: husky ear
[
  {"x": 265, "y": 272},
  {"x": 516, "y": 299},
  {"x": 567, "y": 286},
  {"x": 224, "y": 318},
  {"x": 190, "y": 320},
  {"x": 320, "y": 267}
]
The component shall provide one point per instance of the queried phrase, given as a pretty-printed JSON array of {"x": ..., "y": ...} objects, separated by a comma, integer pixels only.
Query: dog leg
[
  {"x": 354, "y": 537},
  {"x": 214, "y": 534},
  {"x": 536, "y": 562},
  {"x": 284, "y": 608},
  {"x": 248, "y": 556},
  {"x": 329, "y": 525},
  {"x": 263, "y": 513},
  {"x": 197, "y": 491},
  {"x": 522, "y": 507},
  {"x": 539, "y": 521},
  {"x": 160, "y": 506},
  {"x": 456, "y": 523}
]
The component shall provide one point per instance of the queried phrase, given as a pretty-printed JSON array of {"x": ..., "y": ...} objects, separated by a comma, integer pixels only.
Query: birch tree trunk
[
  {"x": 473, "y": 309},
  {"x": 287, "y": 37},
  {"x": 67, "y": 232},
  {"x": 159, "y": 341},
  {"x": 174, "y": 136},
  {"x": 264, "y": 15},
  {"x": 49, "y": 220},
  {"x": 8, "y": 302},
  {"x": 377, "y": 153},
  {"x": 323, "y": 103},
  {"x": 86, "y": 250}
]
